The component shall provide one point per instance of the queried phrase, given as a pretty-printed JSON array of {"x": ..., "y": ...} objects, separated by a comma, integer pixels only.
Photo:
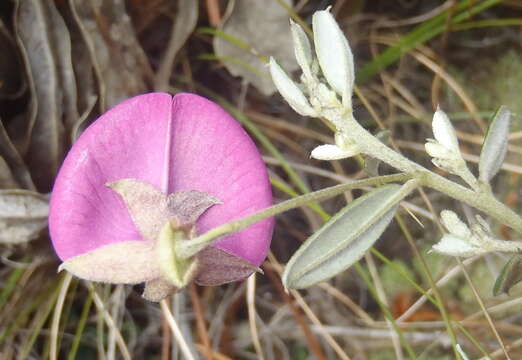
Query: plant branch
[
  {"x": 481, "y": 200},
  {"x": 189, "y": 248}
]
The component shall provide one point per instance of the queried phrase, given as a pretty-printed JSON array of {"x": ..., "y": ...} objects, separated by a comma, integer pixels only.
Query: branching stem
[{"x": 480, "y": 199}]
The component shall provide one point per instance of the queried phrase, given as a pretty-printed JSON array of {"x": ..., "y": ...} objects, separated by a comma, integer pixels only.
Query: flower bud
[
  {"x": 333, "y": 152},
  {"x": 334, "y": 54},
  {"x": 444, "y": 132},
  {"x": 290, "y": 91},
  {"x": 454, "y": 225},
  {"x": 455, "y": 246},
  {"x": 302, "y": 49}
]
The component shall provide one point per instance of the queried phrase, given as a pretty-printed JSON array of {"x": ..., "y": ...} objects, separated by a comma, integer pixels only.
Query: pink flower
[{"x": 151, "y": 172}]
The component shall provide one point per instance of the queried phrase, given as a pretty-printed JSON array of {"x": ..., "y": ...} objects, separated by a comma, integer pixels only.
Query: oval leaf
[
  {"x": 495, "y": 145},
  {"x": 510, "y": 275},
  {"x": 344, "y": 239}
]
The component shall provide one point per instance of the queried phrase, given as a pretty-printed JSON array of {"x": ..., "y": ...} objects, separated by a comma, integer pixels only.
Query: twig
[
  {"x": 166, "y": 337},
  {"x": 251, "y": 292},
  {"x": 312, "y": 341},
  {"x": 304, "y": 306},
  {"x": 66, "y": 281},
  {"x": 200, "y": 322},
  {"x": 176, "y": 331},
  {"x": 109, "y": 321},
  {"x": 214, "y": 16},
  {"x": 382, "y": 295},
  {"x": 484, "y": 310}
]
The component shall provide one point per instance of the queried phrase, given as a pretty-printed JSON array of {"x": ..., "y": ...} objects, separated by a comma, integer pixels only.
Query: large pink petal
[
  {"x": 212, "y": 153},
  {"x": 127, "y": 141},
  {"x": 185, "y": 143}
]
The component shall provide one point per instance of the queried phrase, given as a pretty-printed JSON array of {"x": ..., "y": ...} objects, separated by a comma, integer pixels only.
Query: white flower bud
[
  {"x": 445, "y": 149},
  {"x": 436, "y": 150},
  {"x": 290, "y": 91},
  {"x": 454, "y": 225},
  {"x": 444, "y": 132},
  {"x": 333, "y": 152},
  {"x": 302, "y": 49},
  {"x": 334, "y": 54},
  {"x": 455, "y": 246}
]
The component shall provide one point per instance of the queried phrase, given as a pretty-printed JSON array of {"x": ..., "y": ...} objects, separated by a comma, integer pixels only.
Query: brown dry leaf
[
  {"x": 264, "y": 25},
  {"x": 23, "y": 214},
  {"x": 46, "y": 45},
  {"x": 120, "y": 65},
  {"x": 12, "y": 84}
]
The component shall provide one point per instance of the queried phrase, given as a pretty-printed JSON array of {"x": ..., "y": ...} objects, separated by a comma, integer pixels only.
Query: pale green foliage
[
  {"x": 393, "y": 281},
  {"x": 494, "y": 82}
]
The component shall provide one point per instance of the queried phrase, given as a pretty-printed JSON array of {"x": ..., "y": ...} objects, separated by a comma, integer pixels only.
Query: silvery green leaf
[
  {"x": 495, "y": 145},
  {"x": 23, "y": 214},
  {"x": 302, "y": 48},
  {"x": 334, "y": 54},
  {"x": 510, "y": 275},
  {"x": 290, "y": 91},
  {"x": 444, "y": 132},
  {"x": 344, "y": 239}
]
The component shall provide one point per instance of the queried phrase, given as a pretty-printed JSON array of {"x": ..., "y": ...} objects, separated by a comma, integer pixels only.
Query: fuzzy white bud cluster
[
  {"x": 460, "y": 241},
  {"x": 465, "y": 241},
  {"x": 328, "y": 96}
]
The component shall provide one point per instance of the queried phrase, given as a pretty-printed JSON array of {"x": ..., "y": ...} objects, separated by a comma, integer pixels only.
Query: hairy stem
[
  {"x": 481, "y": 200},
  {"x": 189, "y": 248}
]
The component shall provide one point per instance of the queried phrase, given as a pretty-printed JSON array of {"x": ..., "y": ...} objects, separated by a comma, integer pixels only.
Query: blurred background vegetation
[{"x": 64, "y": 62}]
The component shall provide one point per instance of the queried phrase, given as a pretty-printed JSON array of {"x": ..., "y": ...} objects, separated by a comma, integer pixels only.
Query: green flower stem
[
  {"x": 482, "y": 200},
  {"x": 188, "y": 249}
]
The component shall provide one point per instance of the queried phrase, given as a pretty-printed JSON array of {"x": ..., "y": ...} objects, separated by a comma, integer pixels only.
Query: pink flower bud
[{"x": 150, "y": 161}]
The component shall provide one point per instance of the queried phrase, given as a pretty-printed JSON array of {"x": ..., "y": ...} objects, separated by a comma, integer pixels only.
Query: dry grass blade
[
  {"x": 178, "y": 335},
  {"x": 484, "y": 310},
  {"x": 111, "y": 324},
  {"x": 123, "y": 70},
  {"x": 66, "y": 281},
  {"x": 313, "y": 343},
  {"x": 45, "y": 40},
  {"x": 200, "y": 322},
  {"x": 183, "y": 25},
  {"x": 311, "y": 315},
  {"x": 252, "y": 314}
]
